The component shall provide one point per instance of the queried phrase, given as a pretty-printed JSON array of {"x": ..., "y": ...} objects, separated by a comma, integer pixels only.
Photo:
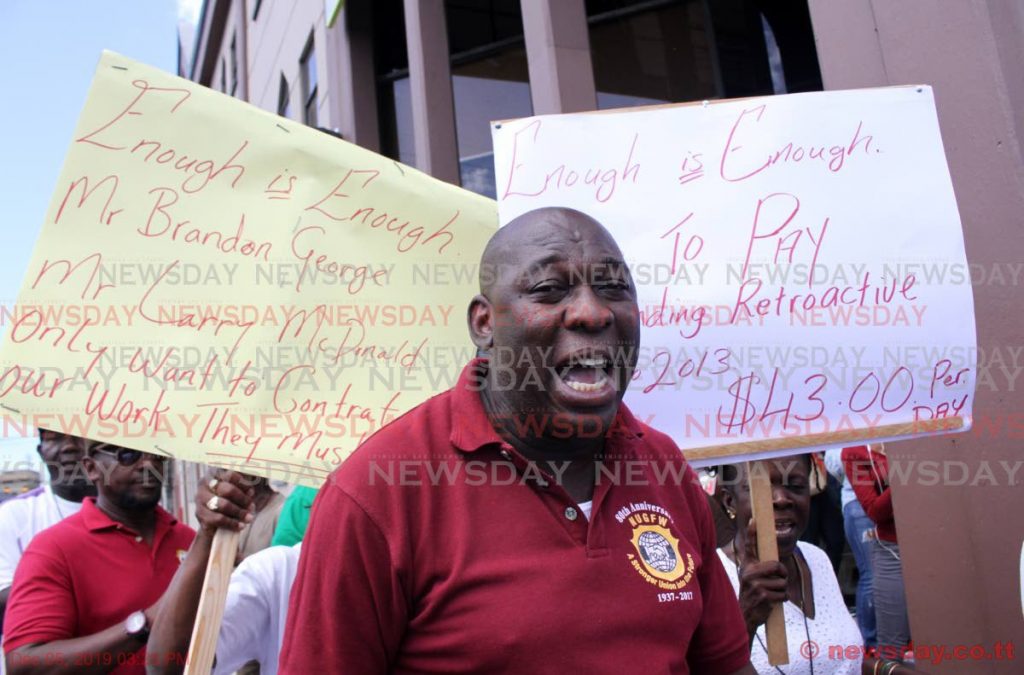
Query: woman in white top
[{"x": 823, "y": 638}]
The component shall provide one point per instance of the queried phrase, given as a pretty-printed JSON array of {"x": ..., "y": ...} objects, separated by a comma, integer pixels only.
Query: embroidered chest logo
[{"x": 657, "y": 557}]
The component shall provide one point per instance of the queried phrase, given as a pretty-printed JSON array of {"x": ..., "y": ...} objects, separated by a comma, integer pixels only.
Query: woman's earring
[{"x": 731, "y": 512}]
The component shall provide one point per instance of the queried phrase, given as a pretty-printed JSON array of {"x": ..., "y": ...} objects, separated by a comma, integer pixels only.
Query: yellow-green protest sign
[{"x": 220, "y": 284}]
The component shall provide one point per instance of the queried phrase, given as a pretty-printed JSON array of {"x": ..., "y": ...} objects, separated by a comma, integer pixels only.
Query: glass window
[
  {"x": 233, "y": 53},
  {"x": 789, "y": 34},
  {"x": 650, "y": 52},
  {"x": 490, "y": 80},
  {"x": 395, "y": 100},
  {"x": 307, "y": 67},
  {"x": 740, "y": 52},
  {"x": 774, "y": 58},
  {"x": 476, "y": 24},
  {"x": 656, "y": 51},
  {"x": 391, "y": 61},
  {"x": 283, "y": 98},
  {"x": 493, "y": 88}
]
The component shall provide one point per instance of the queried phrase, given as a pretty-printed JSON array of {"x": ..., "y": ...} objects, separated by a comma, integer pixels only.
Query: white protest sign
[{"x": 799, "y": 260}]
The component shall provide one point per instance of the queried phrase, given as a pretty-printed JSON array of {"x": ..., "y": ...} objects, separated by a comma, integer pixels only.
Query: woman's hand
[{"x": 762, "y": 584}]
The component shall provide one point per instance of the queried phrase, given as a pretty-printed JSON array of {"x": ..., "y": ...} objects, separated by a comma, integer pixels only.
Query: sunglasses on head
[{"x": 124, "y": 456}]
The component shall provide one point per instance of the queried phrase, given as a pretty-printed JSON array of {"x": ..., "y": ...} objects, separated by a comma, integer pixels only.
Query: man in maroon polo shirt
[
  {"x": 86, "y": 589},
  {"x": 523, "y": 521}
]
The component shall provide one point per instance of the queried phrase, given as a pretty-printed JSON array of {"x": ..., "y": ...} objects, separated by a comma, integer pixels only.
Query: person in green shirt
[{"x": 294, "y": 518}]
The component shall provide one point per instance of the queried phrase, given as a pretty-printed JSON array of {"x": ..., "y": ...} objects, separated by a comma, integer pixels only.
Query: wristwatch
[{"x": 137, "y": 626}]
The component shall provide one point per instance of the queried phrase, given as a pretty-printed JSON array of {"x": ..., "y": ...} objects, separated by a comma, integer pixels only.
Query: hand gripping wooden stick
[{"x": 767, "y": 549}]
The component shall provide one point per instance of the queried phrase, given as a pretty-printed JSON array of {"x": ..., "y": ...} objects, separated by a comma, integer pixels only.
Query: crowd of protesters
[
  {"x": 90, "y": 561},
  {"x": 555, "y": 573}
]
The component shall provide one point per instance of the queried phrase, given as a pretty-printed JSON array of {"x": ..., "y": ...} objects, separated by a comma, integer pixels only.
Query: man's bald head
[{"x": 538, "y": 227}]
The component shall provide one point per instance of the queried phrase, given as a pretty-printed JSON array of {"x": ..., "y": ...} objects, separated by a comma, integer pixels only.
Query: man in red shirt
[
  {"x": 24, "y": 516},
  {"x": 523, "y": 521},
  {"x": 86, "y": 589}
]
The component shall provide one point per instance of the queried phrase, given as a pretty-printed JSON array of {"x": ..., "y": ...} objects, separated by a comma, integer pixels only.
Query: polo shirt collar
[
  {"x": 95, "y": 519},
  {"x": 625, "y": 425},
  {"x": 472, "y": 430}
]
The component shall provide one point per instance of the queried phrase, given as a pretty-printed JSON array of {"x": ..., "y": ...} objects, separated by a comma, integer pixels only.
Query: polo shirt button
[
  {"x": 571, "y": 513},
  {"x": 138, "y": 539}
]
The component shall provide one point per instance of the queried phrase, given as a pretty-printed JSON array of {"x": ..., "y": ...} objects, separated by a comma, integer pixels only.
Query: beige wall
[
  {"x": 276, "y": 40},
  {"x": 960, "y": 545},
  {"x": 272, "y": 44}
]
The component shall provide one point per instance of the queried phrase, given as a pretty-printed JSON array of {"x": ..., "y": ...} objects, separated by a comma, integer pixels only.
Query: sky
[{"x": 51, "y": 48}]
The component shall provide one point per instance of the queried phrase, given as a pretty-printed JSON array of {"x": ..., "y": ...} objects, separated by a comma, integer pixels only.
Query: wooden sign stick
[
  {"x": 211, "y": 603},
  {"x": 844, "y": 437},
  {"x": 767, "y": 549}
]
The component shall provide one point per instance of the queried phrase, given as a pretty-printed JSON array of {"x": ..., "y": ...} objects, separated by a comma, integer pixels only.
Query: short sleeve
[
  {"x": 877, "y": 503},
  {"x": 41, "y": 606},
  {"x": 719, "y": 645},
  {"x": 348, "y": 609},
  {"x": 10, "y": 544},
  {"x": 245, "y": 628}
]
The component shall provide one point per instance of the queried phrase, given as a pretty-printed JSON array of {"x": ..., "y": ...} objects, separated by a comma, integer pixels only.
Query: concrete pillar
[
  {"x": 558, "y": 53},
  {"x": 430, "y": 84},
  {"x": 960, "y": 540}
]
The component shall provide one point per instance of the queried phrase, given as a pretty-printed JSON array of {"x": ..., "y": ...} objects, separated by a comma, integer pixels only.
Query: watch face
[{"x": 136, "y": 622}]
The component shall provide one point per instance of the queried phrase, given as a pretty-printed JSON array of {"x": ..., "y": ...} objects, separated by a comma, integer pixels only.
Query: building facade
[{"x": 420, "y": 80}]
